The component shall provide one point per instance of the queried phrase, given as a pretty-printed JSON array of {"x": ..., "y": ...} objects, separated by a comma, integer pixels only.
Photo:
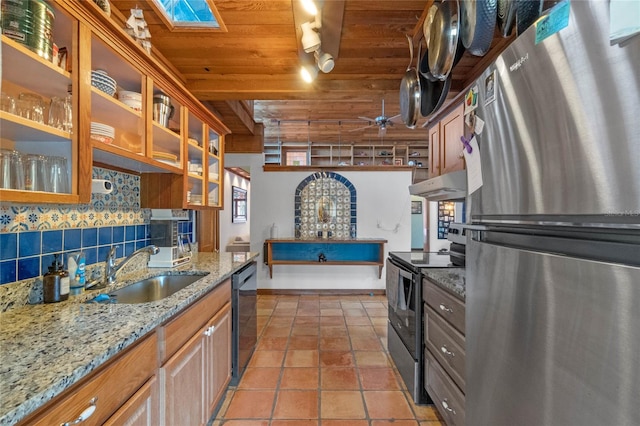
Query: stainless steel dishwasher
[{"x": 244, "y": 324}]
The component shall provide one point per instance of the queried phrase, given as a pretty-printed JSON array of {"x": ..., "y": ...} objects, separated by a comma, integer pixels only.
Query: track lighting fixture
[
  {"x": 310, "y": 37},
  {"x": 309, "y": 72},
  {"x": 324, "y": 60}
]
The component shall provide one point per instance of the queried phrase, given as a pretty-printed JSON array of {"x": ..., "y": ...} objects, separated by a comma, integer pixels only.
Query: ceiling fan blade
[
  {"x": 373, "y": 120},
  {"x": 395, "y": 119},
  {"x": 361, "y": 128}
]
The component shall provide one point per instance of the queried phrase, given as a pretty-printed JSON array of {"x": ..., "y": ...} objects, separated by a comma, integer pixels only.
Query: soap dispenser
[{"x": 55, "y": 283}]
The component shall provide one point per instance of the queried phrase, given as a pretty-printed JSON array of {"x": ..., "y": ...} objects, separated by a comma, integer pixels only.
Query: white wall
[
  {"x": 383, "y": 203},
  {"x": 229, "y": 230}
]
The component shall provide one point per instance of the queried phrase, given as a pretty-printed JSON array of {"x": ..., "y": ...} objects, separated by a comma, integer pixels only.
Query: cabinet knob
[
  {"x": 447, "y": 352},
  {"x": 88, "y": 412},
  {"x": 444, "y": 308},
  {"x": 445, "y": 405}
]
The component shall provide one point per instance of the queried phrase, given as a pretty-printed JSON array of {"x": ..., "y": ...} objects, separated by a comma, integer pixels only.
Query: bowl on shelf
[
  {"x": 101, "y": 81},
  {"x": 125, "y": 95}
]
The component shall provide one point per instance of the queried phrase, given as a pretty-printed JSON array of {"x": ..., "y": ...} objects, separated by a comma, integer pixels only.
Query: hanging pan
[
  {"x": 410, "y": 92},
  {"x": 477, "y": 23},
  {"x": 433, "y": 91},
  {"x": 506, "y": 16},
  {"x": 445, "y": 45}
]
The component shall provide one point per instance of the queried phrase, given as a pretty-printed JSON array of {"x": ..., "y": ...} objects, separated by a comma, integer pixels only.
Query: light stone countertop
[
  {"x": 453, "y": 280},
  {"x": 46, "y": 348}
]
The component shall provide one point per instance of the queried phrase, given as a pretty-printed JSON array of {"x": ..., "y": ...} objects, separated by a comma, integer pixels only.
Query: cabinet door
[
  {"x": 182, "y": 378},
  {"x": 434, "y": 151},
  {"x": 218, "y": 357},
  {"x": 141, "y": 409},
  {"x": 452, "y": 128}
]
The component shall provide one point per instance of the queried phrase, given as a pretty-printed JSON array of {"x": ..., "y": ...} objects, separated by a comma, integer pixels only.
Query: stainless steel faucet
[{"x": 111, "y": 270}]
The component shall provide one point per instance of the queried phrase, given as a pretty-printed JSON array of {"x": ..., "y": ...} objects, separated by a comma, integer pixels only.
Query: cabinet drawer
[
  {"x": 451, "y": 308},
  {"x": 446, "y": 344},
  {"x": 175, "y": 333},
  {"x": 126, "y": 374},
  {"x": 445, "y": 394}
]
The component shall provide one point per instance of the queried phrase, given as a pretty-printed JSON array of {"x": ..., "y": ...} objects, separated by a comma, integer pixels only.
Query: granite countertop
[
  {"x": 46, "y": 348},
  {"x": 450, "y": 279}
]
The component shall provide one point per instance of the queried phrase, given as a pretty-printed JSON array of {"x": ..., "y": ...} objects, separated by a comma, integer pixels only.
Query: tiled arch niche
[{"x": 325, "y": 202}]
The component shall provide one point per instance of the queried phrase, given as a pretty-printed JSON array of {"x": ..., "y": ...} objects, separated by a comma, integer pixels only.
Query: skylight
[{"x": 200, "y": 14}]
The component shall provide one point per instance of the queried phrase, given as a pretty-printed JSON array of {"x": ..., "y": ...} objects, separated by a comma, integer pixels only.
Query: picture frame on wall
[
  {"x": 398, "y": 161},
  {"x": 238, "y": 205},
  {"x": 416, "y": 207}
]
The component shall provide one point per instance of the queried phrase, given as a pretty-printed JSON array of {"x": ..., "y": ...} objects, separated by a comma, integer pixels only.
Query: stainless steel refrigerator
[{"x": 553, "y": 268}]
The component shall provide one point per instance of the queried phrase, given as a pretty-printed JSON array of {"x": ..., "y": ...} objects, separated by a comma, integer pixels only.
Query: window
[
  {"x": 189, "y": 14},
  {"x": 238, "y": 205},
  {"x": 296, "y": 158}
]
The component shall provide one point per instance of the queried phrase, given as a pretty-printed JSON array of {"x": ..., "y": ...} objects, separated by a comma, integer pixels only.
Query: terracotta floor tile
[
  {"x": 373, "y": 305},
  {"x": 361, "y": 331},
  {"x": 372, "y": 359},
  {"x": 358, "y": 321},
  {"x": 310, "y": 330},
  {"x": 330, "y": 304},
  {"x": 260, "y": 378},
  {"x": 301, "y": 358},
  {"x": 303, "y": 342},
  {"x": 345, "y": 422},
  {"x": 296, "y": 422},
  {"x": 251, "y": 404},
  {"x": 264, "y": 311},
  {"x": 351, "y": 305},
  {"x": 354, "y": 312},
  {"x": 267, "y": 359},
  {"x": 300, "y": 378},
  {"x": 282, "y": 320},
  {"x": 366, "y": 344},
  {"x": 335, "y": 344},
  {"x": 378, "y": 379},
  {"x": 387, "y": 405},
  {"x": 394, "y": 423},
  {"x": 246, "y": 423},
  {"x": 381, "y": 330},
  {"x": 334, "y": 331},
  {"x": 339, "y": 378},
  {"x": 308, "y": 312},
  {"x": 330, "y": 312},
  {"x": 283, "y": 304},
  {"x": 378, "y": 312},
  {"x": 380, "y": 320},
  {"x": 332, "y": 320},
  {"x": 307, "y": 320},
  {"x": 272, "y": 344},
  {"x": 296, "y": 404},
  {"x": 276, "y": 331},
  {"x": 336, "y": 359},
  {"x": 425, "y": 412},
  {"x": 341, "y": 405}
]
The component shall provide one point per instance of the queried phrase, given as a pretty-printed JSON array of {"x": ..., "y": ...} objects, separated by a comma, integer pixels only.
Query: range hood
[{"x": 447, "y": 187}]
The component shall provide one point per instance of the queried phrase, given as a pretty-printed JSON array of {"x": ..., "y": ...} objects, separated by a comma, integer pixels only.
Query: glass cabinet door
[
  {"x": 195, "y": 167},
  {"x": 166, "y": 124},
  {"x": 39, "y": 158},
  {"x": 214, "y": 169}
]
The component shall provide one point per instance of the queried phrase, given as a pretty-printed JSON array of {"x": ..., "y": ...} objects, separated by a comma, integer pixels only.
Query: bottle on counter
[{"x": 55, "y": 283}]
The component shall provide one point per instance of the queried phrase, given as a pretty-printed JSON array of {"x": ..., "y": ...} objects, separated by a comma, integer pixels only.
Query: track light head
[
  {"x": 325, "y": 61},
  {"x": 310, "y": 38},
  {"x": 310, "y": 7}
]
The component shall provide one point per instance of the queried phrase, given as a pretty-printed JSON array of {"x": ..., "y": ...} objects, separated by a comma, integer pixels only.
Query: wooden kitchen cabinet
[
  {"x": 445, "y": 145},
  {"x": 129, "y": 373},
  {"x": 444, "y": 352},
  {"x": 197, "y": 348},
  {"x": 141, "y": 409}
]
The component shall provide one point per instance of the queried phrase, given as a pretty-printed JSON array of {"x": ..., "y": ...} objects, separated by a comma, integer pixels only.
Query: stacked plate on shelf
[
  {"x": 102, "y": 133},
  {"x": 167, "y": 158},
  {"x": 101, "y": 81}
]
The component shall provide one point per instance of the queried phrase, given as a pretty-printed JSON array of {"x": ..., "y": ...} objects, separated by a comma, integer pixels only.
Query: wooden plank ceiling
[{"x": 258, "y": 59}]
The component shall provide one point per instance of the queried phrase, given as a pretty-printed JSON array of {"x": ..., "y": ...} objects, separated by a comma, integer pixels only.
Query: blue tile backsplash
[{"x": 30, "y": 235}]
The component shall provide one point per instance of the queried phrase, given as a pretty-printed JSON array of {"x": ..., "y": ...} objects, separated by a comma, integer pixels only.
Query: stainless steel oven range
[{"x": 405, "y": 327}]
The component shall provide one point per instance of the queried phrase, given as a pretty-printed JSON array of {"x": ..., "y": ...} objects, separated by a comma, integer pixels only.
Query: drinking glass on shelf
[
  {"x": 68, "y": 114},
  {"x": 11, "y": 170},
  {"x": 57, "y": 113},
  {"x": 35, "y": 178},
  {"x": 58, "y": 174},
  {"x": 30, "y": 106},
  {"x": 7, "y": 103}
]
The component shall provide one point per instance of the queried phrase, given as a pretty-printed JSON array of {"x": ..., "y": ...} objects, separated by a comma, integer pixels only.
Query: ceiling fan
[{"x": 382, "y": 121}]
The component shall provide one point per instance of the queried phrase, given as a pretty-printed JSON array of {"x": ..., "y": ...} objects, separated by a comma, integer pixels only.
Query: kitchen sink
[{"x": 153, "y": 288}]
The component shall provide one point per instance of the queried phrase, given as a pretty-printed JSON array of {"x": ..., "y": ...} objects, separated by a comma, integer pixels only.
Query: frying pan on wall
[
  {"x": 527, "y": 11},
  {"x": 410, "y": 92},
  {"x": 433, "y": 91},
  {"x": 445, "y": 45},
  {"x": 477, "y": 24}
]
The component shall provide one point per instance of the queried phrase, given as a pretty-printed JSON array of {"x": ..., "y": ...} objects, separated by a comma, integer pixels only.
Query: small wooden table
[{"x": 296, "y": 251}]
